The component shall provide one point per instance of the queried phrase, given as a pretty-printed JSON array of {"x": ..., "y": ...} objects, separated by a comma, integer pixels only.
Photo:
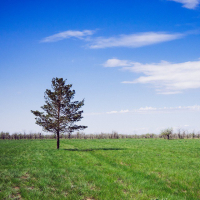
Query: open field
[{"x": 100, "y": 169}]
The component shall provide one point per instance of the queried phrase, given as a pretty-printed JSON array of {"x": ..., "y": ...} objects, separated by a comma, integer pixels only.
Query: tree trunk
[
  {"x": 58, "y": 130},
  {"x": 58, "y": 140},
  {"x": 168, "y": 137}
]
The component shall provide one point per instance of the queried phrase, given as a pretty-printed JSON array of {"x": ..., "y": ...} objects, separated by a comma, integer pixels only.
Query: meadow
[{"x": 100, "y": 169}]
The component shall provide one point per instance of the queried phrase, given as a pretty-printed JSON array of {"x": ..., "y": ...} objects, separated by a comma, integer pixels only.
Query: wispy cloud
[
  {"x": 166, "y": 77},
  {"x": 190, "y": 4},
  {"x": 158, "y": 110},
  {"x": 68, "y": 34},
  {"x": 131, "y": 40},
  {"x": 134, "y": 40},
  {"x": 121, "y": 111},
  {"x": 146, "y": 110}
]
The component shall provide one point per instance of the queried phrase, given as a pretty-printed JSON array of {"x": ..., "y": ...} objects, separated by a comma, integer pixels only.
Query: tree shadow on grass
[{"x": 95, "y": 149}]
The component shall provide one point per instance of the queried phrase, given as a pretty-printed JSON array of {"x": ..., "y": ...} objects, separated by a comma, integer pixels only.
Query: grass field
[{"x": 100, "y": 169}]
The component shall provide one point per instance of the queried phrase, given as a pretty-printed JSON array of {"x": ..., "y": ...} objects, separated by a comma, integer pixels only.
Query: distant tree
[
  {"x": 167, "y": 132},
  {"x": 60, "y": 112}
]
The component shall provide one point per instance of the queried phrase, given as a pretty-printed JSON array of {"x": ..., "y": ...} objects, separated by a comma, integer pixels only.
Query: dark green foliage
[{"x": 60, "y": 112}]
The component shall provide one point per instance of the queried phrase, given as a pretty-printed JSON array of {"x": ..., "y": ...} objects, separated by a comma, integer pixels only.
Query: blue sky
[{"x": 136, "y": 63}]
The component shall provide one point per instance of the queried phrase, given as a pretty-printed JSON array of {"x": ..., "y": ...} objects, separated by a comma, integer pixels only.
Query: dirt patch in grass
[
  {"x": 92, "y": 188},
  {"x": 120, "y": 181},
  {"x": 17, "y": 196},
  {"x": 54, "y": 189},
  {"x": 125, "y": 192},
  {"x": 25, "y": 176},
  {"x": 30, "y": 188},
  {"x": 65, "y": 194},
  {"x": 125, "y": 164}
]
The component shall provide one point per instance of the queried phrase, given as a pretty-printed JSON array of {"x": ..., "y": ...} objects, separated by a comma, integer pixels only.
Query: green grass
[{"x": 100, "y": 169}]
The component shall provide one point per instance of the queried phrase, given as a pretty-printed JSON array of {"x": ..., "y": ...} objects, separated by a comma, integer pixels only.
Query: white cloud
[
  {"x": 146, "y": 110},
  {"x": 190, "y": 4},
  {"x": 134, "y": 40},
  {"x": 124, "y": 111},
  {"x": 140, "y": 110},
  {"x": 131, "y": 40},
  {"x": 68, "y": 34},
  {"x": 166, "y": 77},
  {"x": 116, "y": 63},
  {"x": 115, "y": 112}
]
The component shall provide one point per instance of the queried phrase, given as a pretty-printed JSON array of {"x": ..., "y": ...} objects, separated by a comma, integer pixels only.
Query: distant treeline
[{"x": 113, "y": 135}]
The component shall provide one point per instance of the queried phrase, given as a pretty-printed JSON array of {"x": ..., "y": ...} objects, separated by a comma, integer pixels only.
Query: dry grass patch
[
  {"x": 25, "y": 176},
  {"x": 30, "y": 188},
  {"x": 17, "y": 196}
]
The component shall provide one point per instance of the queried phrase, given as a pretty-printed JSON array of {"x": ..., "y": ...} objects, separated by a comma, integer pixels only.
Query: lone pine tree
[{"x": 60, "y": 112}]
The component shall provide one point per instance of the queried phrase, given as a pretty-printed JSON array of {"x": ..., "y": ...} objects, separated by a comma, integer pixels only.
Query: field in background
[{"x": 100, "y": 169}]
